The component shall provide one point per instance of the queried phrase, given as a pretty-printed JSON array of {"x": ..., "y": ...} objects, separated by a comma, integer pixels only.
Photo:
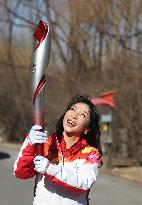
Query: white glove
[
  {"x": 36, "y": 136},
  {"x": 41, "y": 163}
]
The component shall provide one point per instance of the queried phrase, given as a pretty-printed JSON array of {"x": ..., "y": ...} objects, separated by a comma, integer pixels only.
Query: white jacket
[{"x": 69, "y": 176}]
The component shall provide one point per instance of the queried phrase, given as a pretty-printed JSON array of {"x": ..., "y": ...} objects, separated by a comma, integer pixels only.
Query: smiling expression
[{"x": 76, "y": 119}]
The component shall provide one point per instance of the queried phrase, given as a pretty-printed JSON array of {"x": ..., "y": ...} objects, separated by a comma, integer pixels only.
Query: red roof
[{"x": 106, "y": 98}]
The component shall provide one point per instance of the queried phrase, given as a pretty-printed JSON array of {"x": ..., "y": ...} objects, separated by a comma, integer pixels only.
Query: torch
[{"x": 40, "y": 62}]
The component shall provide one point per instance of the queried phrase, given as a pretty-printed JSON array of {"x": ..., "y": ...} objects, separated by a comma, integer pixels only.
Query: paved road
[{"x": 107, "y": 190}]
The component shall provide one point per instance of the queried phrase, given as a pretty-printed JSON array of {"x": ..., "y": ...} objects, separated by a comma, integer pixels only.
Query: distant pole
[{"x": 109, "y": 146}]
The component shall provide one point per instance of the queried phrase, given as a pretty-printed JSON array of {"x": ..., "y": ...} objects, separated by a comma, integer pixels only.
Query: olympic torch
[{"x": 40, "y": 62}]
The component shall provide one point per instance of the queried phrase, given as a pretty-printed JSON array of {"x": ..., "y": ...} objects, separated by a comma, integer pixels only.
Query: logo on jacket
[{"x": 87, "y": 150}]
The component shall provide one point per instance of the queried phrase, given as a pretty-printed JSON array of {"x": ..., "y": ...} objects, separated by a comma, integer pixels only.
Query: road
[{"x": 107, "y": 190}]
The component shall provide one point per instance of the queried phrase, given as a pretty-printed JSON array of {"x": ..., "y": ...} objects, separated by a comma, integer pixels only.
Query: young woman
[{"x": 72, "y": 156}]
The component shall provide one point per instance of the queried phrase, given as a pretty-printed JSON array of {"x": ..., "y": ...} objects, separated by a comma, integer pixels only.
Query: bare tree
[{"x": 96, "y": 46}]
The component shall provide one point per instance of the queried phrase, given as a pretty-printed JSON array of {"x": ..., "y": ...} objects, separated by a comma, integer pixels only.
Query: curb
[{"x": 129, "y": 179}]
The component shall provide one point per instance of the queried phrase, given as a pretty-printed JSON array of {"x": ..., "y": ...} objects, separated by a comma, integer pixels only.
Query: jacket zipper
[{"x": 69, "y": 153}]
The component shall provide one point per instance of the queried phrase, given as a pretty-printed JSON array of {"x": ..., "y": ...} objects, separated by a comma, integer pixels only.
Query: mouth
[{"x": 71, "y": 123}]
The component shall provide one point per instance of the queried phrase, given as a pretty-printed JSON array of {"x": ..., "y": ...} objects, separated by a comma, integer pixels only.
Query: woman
[{"x": 72, "y": 156}]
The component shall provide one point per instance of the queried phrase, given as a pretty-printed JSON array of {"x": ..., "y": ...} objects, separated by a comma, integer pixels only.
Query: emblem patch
[{"x": 87, "y": 150}]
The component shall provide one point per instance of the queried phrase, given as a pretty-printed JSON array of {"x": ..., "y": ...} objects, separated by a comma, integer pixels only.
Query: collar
[{"x": 74, "y": 148}]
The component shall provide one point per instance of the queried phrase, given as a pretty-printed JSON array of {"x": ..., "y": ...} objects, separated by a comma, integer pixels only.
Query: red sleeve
[{"x": 24, "y": 166}]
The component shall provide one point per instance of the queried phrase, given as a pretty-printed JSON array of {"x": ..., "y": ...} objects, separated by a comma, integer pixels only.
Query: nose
[{"x": 74, "y": 115}]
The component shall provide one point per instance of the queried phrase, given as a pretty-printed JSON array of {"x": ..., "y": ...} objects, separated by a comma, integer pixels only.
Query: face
[{"x": 76, "y": 120}]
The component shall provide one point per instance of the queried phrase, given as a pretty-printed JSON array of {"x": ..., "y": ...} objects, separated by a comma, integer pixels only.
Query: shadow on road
[{"x": 4, "y": 155}]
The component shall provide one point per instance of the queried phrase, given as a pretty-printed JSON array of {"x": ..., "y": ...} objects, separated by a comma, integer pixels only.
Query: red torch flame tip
[{"x": 40, "y": 32}]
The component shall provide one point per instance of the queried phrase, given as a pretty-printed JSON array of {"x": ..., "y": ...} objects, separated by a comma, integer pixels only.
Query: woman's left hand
[{"x": 41, "y": 163}]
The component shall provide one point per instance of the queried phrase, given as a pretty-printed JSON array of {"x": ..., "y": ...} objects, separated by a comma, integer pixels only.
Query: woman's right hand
[{"x": 36, "y": 136}]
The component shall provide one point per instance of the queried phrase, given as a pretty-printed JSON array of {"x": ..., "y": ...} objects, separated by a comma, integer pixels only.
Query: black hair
[{"x": 94, "y": 133}]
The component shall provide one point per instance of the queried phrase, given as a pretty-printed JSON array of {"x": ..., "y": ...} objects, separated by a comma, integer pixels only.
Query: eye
[
  {"x": 83, "y": 115},
  {"x": 72, "y": 108}
]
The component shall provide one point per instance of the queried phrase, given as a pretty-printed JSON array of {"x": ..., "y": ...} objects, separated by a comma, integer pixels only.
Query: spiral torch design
[{"x": 40, "y": 62}]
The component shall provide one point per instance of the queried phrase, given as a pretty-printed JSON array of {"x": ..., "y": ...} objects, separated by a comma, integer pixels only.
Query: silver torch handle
[{"x": 40, "y": 62}]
